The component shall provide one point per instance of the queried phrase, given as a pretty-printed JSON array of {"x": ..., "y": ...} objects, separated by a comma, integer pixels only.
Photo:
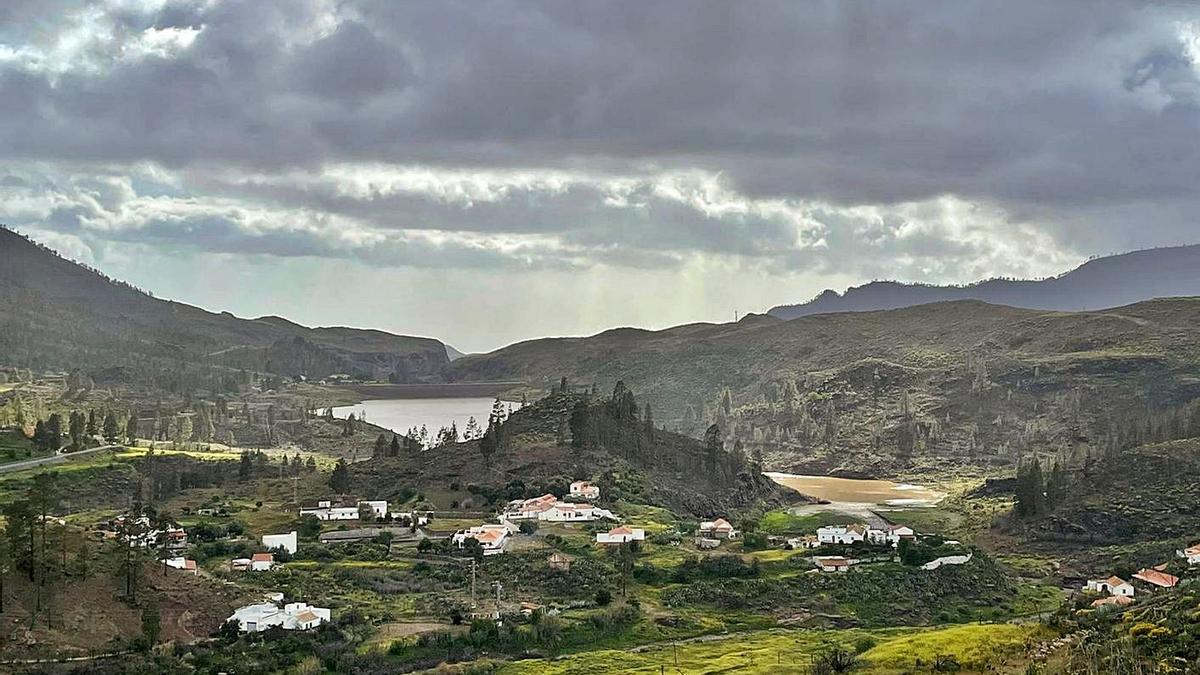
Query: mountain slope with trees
[
  {"x": 1097, "y": 284},
  {"x": 62, "y": 315},
  {"x": 569, "y": 436},
  {"x": 890, "y": 392}
]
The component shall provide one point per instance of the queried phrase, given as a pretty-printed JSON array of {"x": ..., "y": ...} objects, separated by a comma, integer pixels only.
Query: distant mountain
[
  {"x": 893, "y": 392},
  {"x": 1097, "y": 284},
  {"x": 62, "y": 315}
]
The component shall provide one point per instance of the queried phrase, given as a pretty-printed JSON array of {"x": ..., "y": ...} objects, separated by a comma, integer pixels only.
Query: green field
[{"x": 887, "y": 652}]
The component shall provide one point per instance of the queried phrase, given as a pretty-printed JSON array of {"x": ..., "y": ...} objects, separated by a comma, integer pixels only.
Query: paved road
[{"x": 53, "y": 459}]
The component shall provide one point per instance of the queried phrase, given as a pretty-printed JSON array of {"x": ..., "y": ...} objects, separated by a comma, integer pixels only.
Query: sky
[{"x": 486, "y": 172}]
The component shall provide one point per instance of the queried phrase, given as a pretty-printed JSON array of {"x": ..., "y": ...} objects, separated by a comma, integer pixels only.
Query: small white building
[
  {"x": 807, "y": 541},
  {"x": 841, "y": 534},
  {"x": 285, "y": 541},
  {"x": 1113, "y": 585},
  {"x": 418, "y": 519},
  {"x": 262, "y": 562},
  {"x": 325, "y": 510},
  {"x": 1191, "y": 554},
  {"x": 378, "y": 506},
  {"x": 947, "y": 560},
  {"x": 717, "y": 529},
  {"x": 491, "y": 537},
  {"x": 182, "y": 564},
  {"x": 622, "y": 534},
  {"x": 891, "y": 534},
  {"x": 566, "y": 512},
  {"x": 292, "y": 616},
  {"x": 584, "y": 490}
]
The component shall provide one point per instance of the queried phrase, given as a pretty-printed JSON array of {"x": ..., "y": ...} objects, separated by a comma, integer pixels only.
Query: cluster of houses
[
  {"x": 141, "y": 534},
  {"x": 493, "y": 537},
  {"x": 262, "y": 616},
  {"x": 1117, "y": 592},
  {"x": 861, "y": 533},
  {"x": 378, "y": 508}
]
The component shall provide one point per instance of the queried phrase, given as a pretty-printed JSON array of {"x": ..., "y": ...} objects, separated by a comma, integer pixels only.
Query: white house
[
  {"x": 717, "y": 529},
  {"x": 285, "y": 541},
  {"x": 261, "y": 562},
  {"x": 418, "y": 519},
  {"x": 565, "y": 512},
  {"x": 585, "y": 490},
  {"x": 621, "y": 534},
  {"x": 181, "y": 564},
  {"x": 549, "y": 508},
  {"x": 325, "y": 510},
  {"x": 1191, "y": 554},
  {"x": 378, "y": 506},
  {"x": 946, "y": 560},
  {"x": 892, "y": 534},
  {"x": 529, "y": 509},
  {"x": 292, "y": 616},
  {"x": 491, "y": 537},
  {"x": 807, "y": 541},
  {"x": 841, "y": 534},
  {"x": 1113, "y": 585},
  {"x": 833, "y": 563}
]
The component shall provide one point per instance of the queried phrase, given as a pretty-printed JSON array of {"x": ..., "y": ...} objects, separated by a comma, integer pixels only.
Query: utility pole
[
  {"x": 498, "y": 587},
  {"x": 473, "y": 583}
]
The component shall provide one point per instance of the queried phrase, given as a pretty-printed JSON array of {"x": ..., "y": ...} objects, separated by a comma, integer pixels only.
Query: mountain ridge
[
  {"x": 1099, "y": 283},
  {"x": 82, "y": 319}
]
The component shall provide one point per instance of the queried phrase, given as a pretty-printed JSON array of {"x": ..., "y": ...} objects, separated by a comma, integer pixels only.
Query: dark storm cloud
[{"x": 1068, "y": 114}]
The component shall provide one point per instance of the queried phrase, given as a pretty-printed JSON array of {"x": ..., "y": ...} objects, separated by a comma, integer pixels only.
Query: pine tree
[
  {"x": 112, "y": 430},
  {"x": 131, "y": 428},
  {"x": 394, "y": 448},
  {"x": 339, "y": 480}
]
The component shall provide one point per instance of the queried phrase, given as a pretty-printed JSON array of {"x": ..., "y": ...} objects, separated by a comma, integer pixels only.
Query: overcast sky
[{"x": 484, "y": 172}]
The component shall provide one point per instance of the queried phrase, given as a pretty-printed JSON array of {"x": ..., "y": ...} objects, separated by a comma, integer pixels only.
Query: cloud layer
[{"x": 798, "y": 142}]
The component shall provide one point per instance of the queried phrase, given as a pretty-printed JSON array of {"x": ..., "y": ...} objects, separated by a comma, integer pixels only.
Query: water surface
[{"x": 402, "y": 414}]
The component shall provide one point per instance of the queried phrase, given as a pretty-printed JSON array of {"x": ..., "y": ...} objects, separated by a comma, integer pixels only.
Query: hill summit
[{"x": 1097, "y": 284}]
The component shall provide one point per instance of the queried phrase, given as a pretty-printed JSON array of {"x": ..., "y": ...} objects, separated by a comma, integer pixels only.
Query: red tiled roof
[
  {"x": 1157, "y": 578},
  {"x": 620, "y": 529},
  {"x": 263, "y": 557}
]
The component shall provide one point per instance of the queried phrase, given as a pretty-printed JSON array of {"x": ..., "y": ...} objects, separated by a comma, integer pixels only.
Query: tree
[
  {"x": 245, "y": 467},
  {"x": 339, "y": 480},
  {"x": 131, "y": 428},
  {"x": 394, "y": 447},
  {"x": 151, "y": 622},
  {"x": 348, "y": 426},
  {"x": 381, "y": 446},
  {"x": 92, "y": 427},
  {"x": 112, "y": 430},
  {"x": 472, "y": 430}
]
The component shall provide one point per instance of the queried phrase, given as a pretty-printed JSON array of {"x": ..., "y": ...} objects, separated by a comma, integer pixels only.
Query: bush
[{"x": 603, "y": 597}]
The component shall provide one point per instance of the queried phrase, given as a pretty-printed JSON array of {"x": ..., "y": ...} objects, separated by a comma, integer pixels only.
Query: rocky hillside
[
  {"x": 61, "y": 315},
  {"x": 889, "y": 392},
  {"x": 1097, "y": 284},
  {"x": 565, "y": 437}
]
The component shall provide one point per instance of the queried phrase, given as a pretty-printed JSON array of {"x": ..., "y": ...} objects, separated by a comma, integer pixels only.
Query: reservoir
[
  {"x": 859, "y": 491},
  {"x": 402, "y": 414}
]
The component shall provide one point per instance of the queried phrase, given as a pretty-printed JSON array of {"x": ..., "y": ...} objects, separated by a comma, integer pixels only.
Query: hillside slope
[
  {"x": 61, "y": 315},
  {"x": 888, "y": 392},
  {"x": 565, "y": 437},
  {"x": 1103, "y": 282}
]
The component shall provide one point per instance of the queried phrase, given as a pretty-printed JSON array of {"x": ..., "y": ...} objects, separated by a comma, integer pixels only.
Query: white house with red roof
[
  {"x": 262, "y": 562},
  {"x": 491, "y": 537},
  {"x": 717, "y": 529},
  {"x": 621, "y": 534},
  {"x": 292, "y": 616},
  {"x": 549, "y": 508},
  {"x": 1156, "y": 578},
  {"x": 584, "y": 490},
  {"x": 1113, "y": 585},
  {"x": 1191, "y": 554}
]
